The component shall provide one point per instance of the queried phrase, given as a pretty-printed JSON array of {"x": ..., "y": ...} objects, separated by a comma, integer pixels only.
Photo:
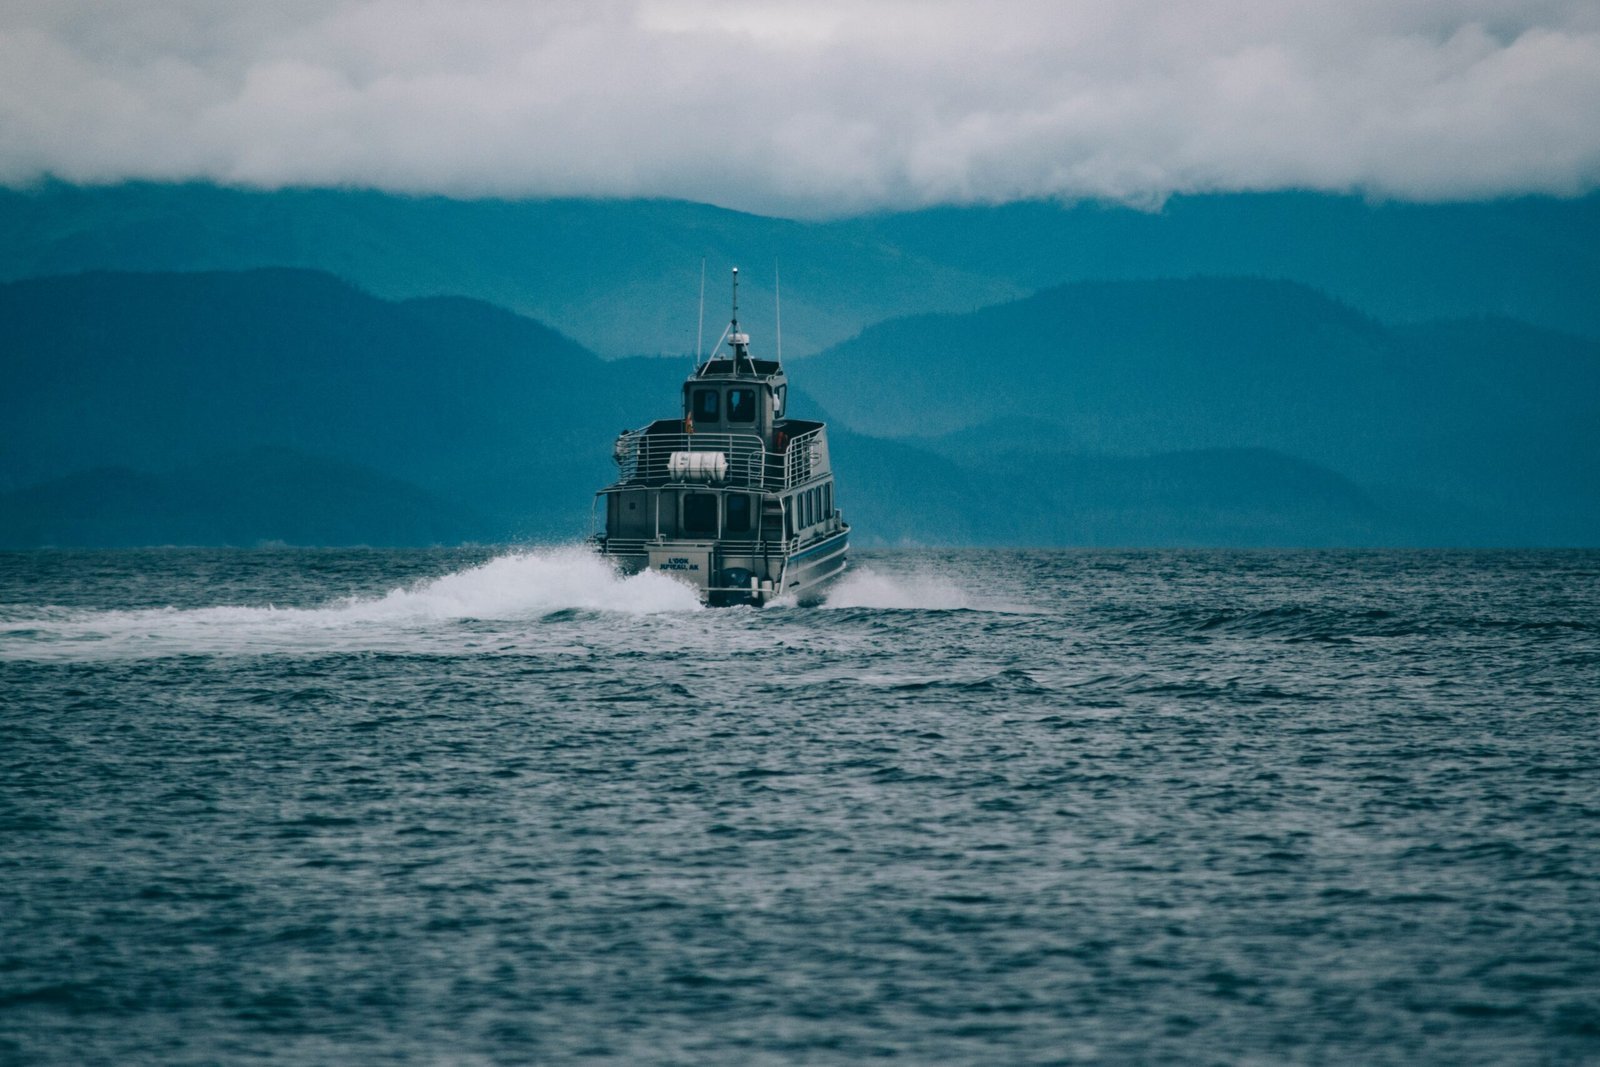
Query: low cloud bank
[{"x": 810, "y": 108}]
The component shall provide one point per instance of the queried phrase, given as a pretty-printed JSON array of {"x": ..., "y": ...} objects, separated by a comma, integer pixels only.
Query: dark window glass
[
  {"x": 741, "y": 405},
  {"x": 789, "y": 517},
  {"x": 705, "y": 405},
  {"x": 811, "y": 506},
  {"x": 738, "y": 513},
  {"x": 779, "y": 399},
  {"x": 827, "y": 501},
  {"x": 700, "y": 513}
]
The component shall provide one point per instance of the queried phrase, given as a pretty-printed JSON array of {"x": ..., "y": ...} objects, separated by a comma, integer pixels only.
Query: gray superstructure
[{"x": 733, "y": 497}]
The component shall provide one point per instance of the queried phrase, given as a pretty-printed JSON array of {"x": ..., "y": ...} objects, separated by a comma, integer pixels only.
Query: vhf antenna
[
  {"x": 735, "y": 338},
  {"x": 777, "y": 298}
]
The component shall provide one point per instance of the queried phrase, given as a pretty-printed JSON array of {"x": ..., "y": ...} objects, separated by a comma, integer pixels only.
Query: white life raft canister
[{"x": 698, "y": 466}]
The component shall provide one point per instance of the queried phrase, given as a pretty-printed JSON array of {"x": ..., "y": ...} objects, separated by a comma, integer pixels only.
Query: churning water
[{"x": 981, "y": 807}]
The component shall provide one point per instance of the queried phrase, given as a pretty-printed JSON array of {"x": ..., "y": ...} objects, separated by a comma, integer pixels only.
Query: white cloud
[{"x": 809, "y": 107}]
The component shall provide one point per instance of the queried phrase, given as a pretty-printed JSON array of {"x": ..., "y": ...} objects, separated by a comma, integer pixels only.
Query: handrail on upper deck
[{"x": 644, "y": 457}]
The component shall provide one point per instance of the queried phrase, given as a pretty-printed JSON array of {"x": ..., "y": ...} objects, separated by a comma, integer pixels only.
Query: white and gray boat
[{"x": 732, "y": 496}]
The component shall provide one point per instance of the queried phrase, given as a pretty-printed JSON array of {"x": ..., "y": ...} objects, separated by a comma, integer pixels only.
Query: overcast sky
[{"x": 809, "y": 108}]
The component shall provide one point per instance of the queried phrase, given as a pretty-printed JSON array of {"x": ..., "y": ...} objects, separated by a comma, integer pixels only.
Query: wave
[
  {"x": 525, "y": 584},
  {"x": 529, "y": 585},
  {"x": 863, "y": 587}
]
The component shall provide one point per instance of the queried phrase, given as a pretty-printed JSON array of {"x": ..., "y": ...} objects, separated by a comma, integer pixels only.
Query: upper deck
[{"x": 799, "y": 454}]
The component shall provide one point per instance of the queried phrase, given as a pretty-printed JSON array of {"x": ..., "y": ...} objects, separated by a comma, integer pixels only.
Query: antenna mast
[
  {"x": 777, "y": 297},
  {"x": 739, "y": 341}
]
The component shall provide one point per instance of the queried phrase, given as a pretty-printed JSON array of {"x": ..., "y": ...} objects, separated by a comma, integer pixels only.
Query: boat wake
[
  {"x": 520, "y": 586},
  {"x": 525, "y": 584},
  {"x": 863, "y": 587}
]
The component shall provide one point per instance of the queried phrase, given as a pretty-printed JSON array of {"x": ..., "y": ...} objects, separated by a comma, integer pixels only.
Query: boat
[{"x": 732, "y": 497}]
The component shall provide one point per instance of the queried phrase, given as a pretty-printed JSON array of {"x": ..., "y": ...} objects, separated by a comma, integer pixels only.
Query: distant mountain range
[
  {"x": 622, "y": 277},
  {"x": 289, "y": 405},
  {"x": 246, "y": 497},
  {"x": 1475, "y": 430},
  {"x": 451, "y": 407}
]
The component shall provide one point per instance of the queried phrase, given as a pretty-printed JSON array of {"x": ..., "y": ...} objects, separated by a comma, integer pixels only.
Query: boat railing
[
  {"x": 802, "y": 457},
  {"x": 638, "y": 546},
  {"x": 647, "y": 458}
]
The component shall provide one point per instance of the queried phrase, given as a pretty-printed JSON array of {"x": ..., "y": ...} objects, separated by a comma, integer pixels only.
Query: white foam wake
[
  {"x": 517, "y": 586},
  {"x": 527, "y": 584},
  {"x": 862, "y": 587}
]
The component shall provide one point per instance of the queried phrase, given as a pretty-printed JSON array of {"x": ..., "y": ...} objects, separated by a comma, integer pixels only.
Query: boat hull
[
  {"x": 732, "y": 573},
  {"x": 812, "y": 568}
]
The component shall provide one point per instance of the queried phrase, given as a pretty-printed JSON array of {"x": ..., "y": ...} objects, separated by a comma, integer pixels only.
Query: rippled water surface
[{"x": 981, "y": 807}]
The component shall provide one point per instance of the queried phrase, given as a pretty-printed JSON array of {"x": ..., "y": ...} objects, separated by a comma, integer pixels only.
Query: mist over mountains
[
  {"x": 622, "y": 277},
  {"x": 1023, "y": 375}
]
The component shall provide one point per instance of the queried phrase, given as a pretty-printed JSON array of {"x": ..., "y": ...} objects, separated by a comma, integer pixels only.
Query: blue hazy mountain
[
  {"x": 244, "y": 497},
  {"x": 902, "y": 494},
  {"x": 1535, "y": 259},
  {"x": 430, "y": 411},
  {"x": 622, "y": 276},
  {"x": 287, "y": 405},
  {"x": 1479, "y": 430}
]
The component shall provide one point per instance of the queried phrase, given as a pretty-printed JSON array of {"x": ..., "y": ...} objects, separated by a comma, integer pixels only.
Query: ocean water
[{"x": 482, "y": 806}]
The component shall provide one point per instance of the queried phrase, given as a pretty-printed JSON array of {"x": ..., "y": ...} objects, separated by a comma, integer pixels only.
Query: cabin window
[
  {"x": 789, "y": 517},
  {"x": 827, "y": 501},
  {"x": 780, "y": 397},
  {"x": 700, "y": 513},
  {"x": 810, "y": 508},
  {"x": 741, "y": 405},
  {"x": 706, "y": 404},
  {"x": 738, "y": 517}
]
